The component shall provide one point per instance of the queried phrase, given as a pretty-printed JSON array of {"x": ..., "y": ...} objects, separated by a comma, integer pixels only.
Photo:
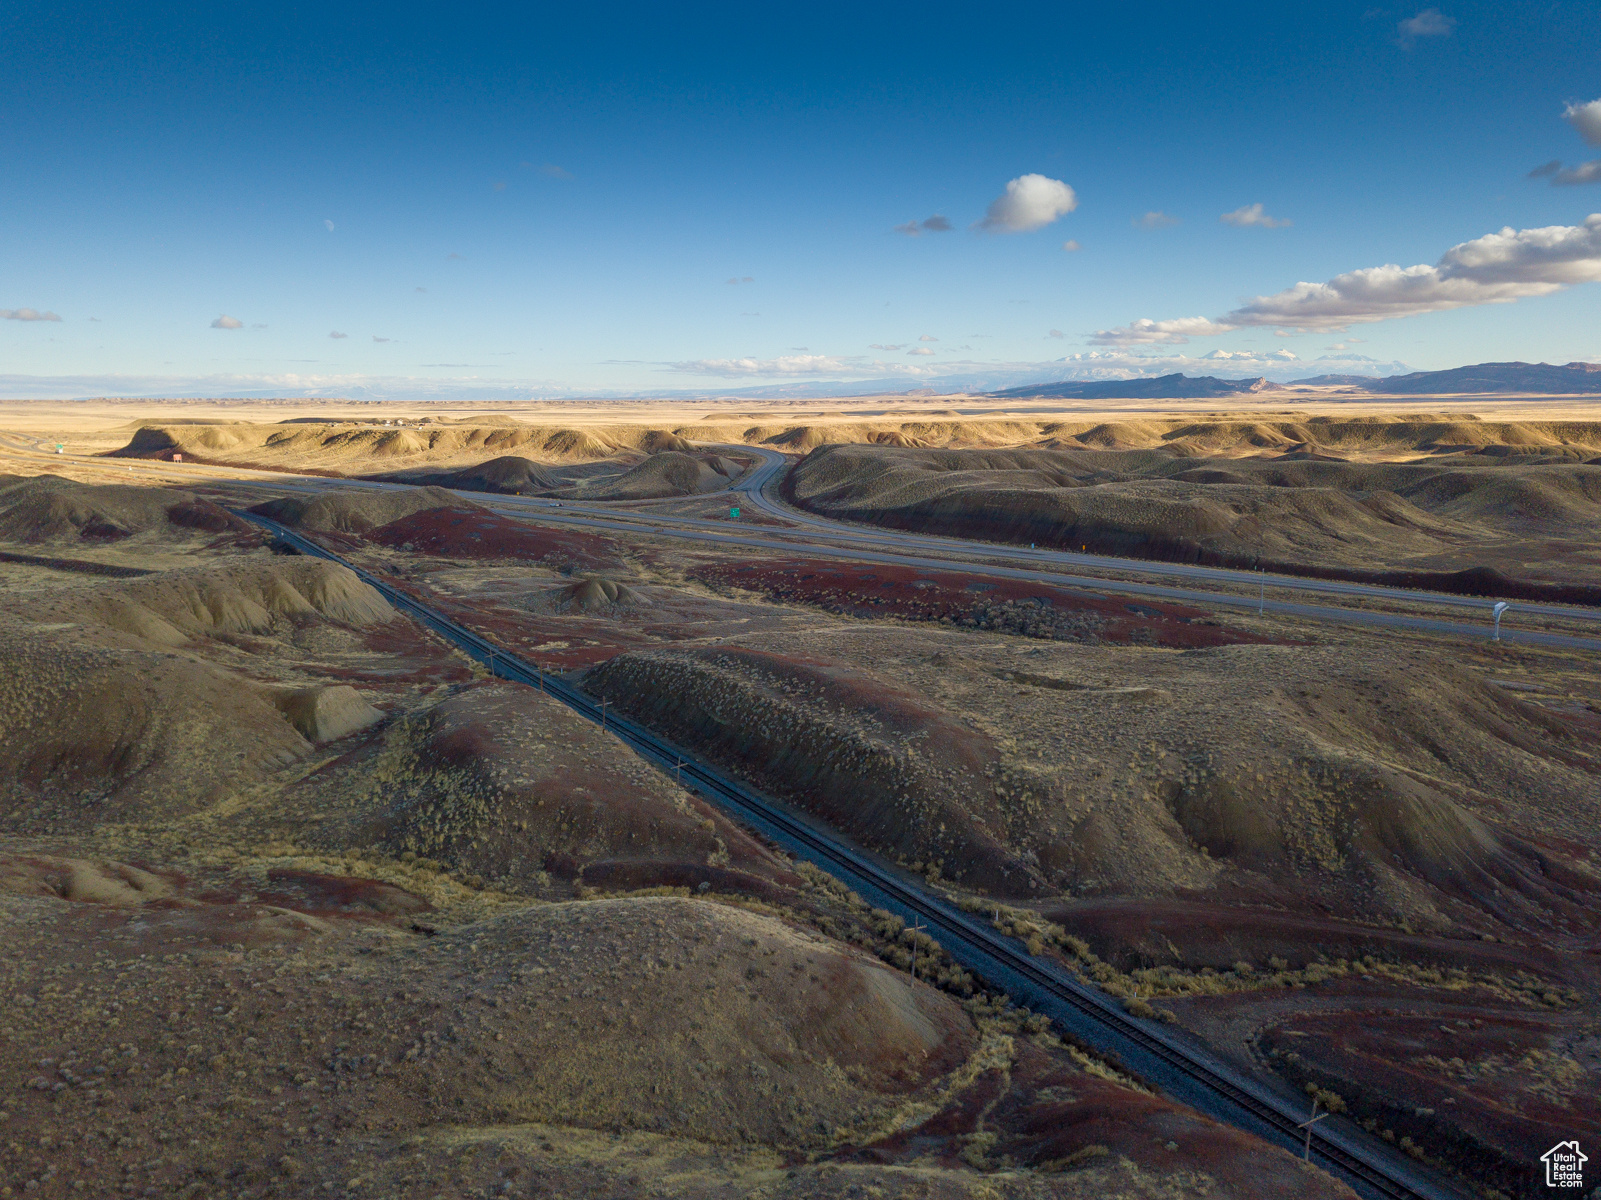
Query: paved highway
[
  {"x": 761, "y": 486},
  {"x": 819, "y": 537},
  {"x": 1183, "y": 1068}
]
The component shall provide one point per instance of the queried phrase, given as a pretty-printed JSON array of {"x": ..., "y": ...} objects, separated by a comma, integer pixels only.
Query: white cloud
[
  {"x": 1247, "y": 356},
  {"x": 376, "y": 338},
  {"x": 552, "y": 171},
  {"x": 26, "y": 314},
  {"x": 1056, "y": 333},
  {"x": 1070, "y": 246},
  {"x": 1030, "y": 202},
  {"x": 1589, "y": 172},
  {"x": 934, "y": 224},
  {"x": 877, "y": 346},
  {"x": 1146, "y": 332},
  {"x": 336, "y": 335},
  {"x": 227, "y": 322},
  {"x": 920, "y": 350},
  {"x": 924, "y": 337},
  {"x": 1154, "y": 220},
  {"x": 736, "y": 280},
  {"x": 788, "y": 364},
  {"x": 1497, "y": 268},
  {"x": 330, "y": 225},
  {"x": 1431, "y": 22},
  {"x": 1252, "y": 214},
  {"x": 1586, "y": 118}
]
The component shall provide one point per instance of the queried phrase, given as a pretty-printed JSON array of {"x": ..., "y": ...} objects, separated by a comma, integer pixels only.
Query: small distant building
[{"x": 177, "y": 457}]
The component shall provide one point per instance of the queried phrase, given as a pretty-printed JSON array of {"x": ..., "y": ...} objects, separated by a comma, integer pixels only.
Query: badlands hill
[
  {"x": 1366, "y": 498},
  {"x": 298, "y": 902},
  {"x": 1235, "y": 771},
  {"x": 47, "y": 509}
]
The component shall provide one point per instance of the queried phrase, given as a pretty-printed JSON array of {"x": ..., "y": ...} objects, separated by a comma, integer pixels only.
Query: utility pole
[
  {"x": 1261, "y": 591},
  {"x": 916, "y": 929},
  {"x": 1307, "y": 1125},
  {"x": 678, "y": 771},
  {"x": 603, "y": 705}
]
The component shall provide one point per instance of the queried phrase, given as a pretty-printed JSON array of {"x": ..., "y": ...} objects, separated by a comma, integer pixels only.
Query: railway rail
[{"x": 1181, "y": 1068}]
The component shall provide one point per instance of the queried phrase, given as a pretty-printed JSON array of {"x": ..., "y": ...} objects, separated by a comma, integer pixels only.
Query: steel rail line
[{"x": 1185, "y": 1071}]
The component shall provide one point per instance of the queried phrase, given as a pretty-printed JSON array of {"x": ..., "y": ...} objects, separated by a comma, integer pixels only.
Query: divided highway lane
[
  {"x": 822, "y": 538},
  {"x": 1182, "y": 1068},
  {"x": 762, "y": 496},
  {"x": 1312, "y": 612},
  {"x": 759, "y": 487}
]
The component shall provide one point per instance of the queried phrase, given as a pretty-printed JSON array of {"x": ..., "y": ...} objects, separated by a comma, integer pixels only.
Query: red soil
[
  {"x": 1479, "y": 1084},
  {"x": 1194, "y": 933},
  {"x": 916, "y": 595},
  {"x": 555, "y": 642},
  {"x": 1042, "y": 1115},
  {"x": 464, "y": 533},
  {"x": 220, "y": 911}
]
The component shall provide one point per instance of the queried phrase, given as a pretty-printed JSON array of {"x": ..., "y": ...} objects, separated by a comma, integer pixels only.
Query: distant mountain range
[
  {"x": 1162, "y": 387},
  {"x": 1572, "y": 379},
  {"x": 1543, "y": 379}
]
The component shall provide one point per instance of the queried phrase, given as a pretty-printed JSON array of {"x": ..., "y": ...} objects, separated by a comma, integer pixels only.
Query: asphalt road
[{"x": 819, "y": 537}]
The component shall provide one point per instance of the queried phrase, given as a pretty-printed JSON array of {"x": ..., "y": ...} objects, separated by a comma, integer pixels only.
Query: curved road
[
  {"x": 821, "y": 537},
  {"x": 760, "y": 494}
]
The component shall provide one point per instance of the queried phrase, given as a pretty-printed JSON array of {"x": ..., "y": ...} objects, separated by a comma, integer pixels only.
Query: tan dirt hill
[
  {"x": 359, "y": 512},
  {"x": 107, "y": 716},
  {"x": 630, "y": 1048},
  {"x": 1316, "y": 779},
  {"x": 668, "y": 473},
  {"x": 50, "y": 509},
  {"x": 1291, "y": 511}
]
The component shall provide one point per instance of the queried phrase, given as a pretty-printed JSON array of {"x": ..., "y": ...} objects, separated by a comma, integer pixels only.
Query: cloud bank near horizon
[
  {"x": 1498, "y": 268},
  {"x": 819, "y": 375}
]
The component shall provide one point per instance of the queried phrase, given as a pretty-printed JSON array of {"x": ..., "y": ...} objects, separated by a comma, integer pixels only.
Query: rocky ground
[{"x": 298, "y": 902}]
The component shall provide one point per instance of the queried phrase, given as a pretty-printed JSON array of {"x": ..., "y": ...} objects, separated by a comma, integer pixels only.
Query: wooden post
[{"x": 1307, "y": 1125}]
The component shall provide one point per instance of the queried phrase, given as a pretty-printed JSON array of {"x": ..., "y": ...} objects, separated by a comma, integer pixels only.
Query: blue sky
[{"x": 558, "y": 199}]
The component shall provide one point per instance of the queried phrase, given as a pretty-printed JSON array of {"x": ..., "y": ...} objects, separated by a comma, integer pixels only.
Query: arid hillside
[
  {"x": 1528, "y": 509},
  {"x": 299, "y": 901},
  {"x": 368, "y": 447}
]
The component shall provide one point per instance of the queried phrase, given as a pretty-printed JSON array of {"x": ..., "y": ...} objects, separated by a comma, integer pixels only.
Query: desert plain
[{"x": 300, "y": 901}]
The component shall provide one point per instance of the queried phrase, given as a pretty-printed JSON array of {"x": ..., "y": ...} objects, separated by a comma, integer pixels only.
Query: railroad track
[{"x": 1182, "y": 1069}]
